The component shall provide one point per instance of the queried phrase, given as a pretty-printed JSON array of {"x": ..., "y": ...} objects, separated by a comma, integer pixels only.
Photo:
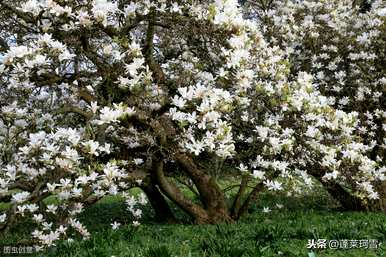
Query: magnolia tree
[
  {"x": 98, "y": 97},
  {"x": 343, "y": 46}
]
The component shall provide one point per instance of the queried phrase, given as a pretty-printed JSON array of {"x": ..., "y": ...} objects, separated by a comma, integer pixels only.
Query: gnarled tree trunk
[
  {"x": 348, "y": 201},
  {"x": 213, "y": 209},
  {"x": 161, "y": 208}
]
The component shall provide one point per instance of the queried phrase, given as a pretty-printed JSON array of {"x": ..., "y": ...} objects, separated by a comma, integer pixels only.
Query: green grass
[{"x": 282, "y": 232}]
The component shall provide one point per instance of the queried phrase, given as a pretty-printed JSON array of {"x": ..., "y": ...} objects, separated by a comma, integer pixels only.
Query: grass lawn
[{"x": 281, "y": 232}]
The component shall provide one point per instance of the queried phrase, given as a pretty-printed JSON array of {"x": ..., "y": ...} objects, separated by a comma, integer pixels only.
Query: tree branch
[{"x": 237, "y": 201}]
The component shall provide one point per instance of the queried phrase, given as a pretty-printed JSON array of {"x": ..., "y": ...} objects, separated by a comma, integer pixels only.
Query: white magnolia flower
[
  {"x": 114, "y": 114},
  {"x": 20, "y": 197},
  {"x": 138, "y": 161},
  {"x": 62, "y": 229},
  {"x": 102, "y": 8},
  {"x": 106, "y": 148},
  {"x": 113, "y": 190},
  {"x": 374, "y": 195},
  {"x": 258, "y": 174},
  {"x": 64, "y": 195},
  {"x": 32, "y": 207},
  {"x": 94, "y": 107},
  {"x": 243, "y": 168},
  {"x": 266, "y": 209},
  {"x": 66, "y": 55},
  {"x": 115, "y": 225},
  {"x": 17, "y": 51},
  {"x": 179, "y": 101},
  {"x": 194, "y": 146},
  {"x": 137, "y": 213},
  {"x": 92, "y": 147},
  {"x": 262, "y": 132},
  {"x": 37, "y": 139},
  {"x": 3, "y": 217},
  {"x": 71, "y": 153},
  {"x": 52, "y": 208},
  {"x": 38, "y": 218},
  {"x": 142, "y": 199},
  {"x": 133, "y": 67},
  {"x": 382, "y": 12},
  {"x": 109, "y": 115},
  {"x": 273, "y": 185},
  {"x": 111, "y": 171},
  {"x": 331, "y": 175}
]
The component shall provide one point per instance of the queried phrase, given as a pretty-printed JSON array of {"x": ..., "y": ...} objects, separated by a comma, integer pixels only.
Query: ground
[{"x": 281, "y": 232}]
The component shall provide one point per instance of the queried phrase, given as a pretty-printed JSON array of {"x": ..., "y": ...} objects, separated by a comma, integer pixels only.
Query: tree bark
[
  {"x": 348, "y": 201},
  {"x": 211, "y": 194},
  {"x": 380, "y": 204},
  {"x": 174, "y": 194},
  {"x": 237, "y": 202},
  {"x": 162, "y": 210},
  {"x": 251, "y": 198}
]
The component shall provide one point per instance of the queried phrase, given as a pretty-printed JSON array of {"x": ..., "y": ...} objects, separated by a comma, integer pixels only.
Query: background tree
[{"x": 340, "y": 46}]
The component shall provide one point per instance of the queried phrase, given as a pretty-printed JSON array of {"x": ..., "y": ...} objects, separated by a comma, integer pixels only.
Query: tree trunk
[
  {"x": 212, "y": 197},
  {"x": 162, "y": 210},
  {"x": 381, "y": 203},
  {"x": 250, "y": 199},
  {"x": 237, "y": 201},
  {"x": 213, "y": 209},
  {"x": 174, "y": 193},
  {"x": 348, "y": 201}
]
